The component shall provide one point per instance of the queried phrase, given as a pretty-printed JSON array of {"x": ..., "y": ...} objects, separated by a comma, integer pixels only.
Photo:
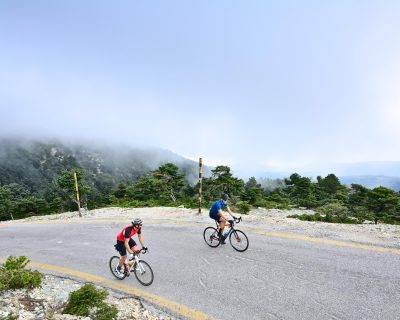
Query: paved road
[{"x": 275, "y": 279}]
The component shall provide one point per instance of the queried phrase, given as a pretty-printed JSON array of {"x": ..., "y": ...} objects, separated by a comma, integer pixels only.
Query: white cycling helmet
[{"x": 137, "y": 222}]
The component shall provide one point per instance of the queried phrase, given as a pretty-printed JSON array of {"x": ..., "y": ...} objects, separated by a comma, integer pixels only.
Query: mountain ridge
[{"x": 35, "y": 163}]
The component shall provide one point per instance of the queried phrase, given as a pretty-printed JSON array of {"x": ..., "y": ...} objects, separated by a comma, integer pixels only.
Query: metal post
[
  {"x": 77, "y": 194},
  {"x": 200, "y": 182}
]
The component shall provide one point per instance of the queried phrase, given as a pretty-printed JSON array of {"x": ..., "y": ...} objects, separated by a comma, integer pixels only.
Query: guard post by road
[
  {"x": 200, "y": 183},
  {"x": 77, "y": 194}
]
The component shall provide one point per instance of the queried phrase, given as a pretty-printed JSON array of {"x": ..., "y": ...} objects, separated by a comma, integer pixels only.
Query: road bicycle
[
  {"x": 237, "y": 238},
  {"x": 141, "y": 269}
]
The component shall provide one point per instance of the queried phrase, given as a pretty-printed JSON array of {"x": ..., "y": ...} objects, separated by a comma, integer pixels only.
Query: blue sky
[{"x": 265, "y": 85}]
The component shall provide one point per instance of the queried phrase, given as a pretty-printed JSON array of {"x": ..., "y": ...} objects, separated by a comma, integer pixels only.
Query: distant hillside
[
  {"x": 373, "y": 181},
  {"x": 35, "y": 164},
  {"x": 368, "y": 168},
  {"x": 369, "y": 174}
]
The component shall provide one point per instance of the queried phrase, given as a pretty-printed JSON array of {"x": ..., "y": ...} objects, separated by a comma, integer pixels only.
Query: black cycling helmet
[
  {"x": 224, "y": 196},
  {"x": 137, "y": 222}
]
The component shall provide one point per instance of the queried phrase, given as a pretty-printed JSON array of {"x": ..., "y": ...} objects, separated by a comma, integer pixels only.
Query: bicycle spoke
[
  {"x": 114, "y": 263},
  {"x": 211, "y": 237},
  {"x": 144, "y": 273},
  {"x": 239, "y": 240}
]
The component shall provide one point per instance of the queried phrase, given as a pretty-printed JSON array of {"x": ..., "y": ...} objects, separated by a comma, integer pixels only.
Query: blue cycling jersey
[{"x": 218, "y": 205}]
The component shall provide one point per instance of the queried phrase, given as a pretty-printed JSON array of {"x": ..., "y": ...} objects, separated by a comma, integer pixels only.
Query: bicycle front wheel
[
  {"x": 239, "y": 240},
  {"x": 114, "y": 263},
  {"x": 144, "y": 273},
  {"x": 210, "y": 236}
]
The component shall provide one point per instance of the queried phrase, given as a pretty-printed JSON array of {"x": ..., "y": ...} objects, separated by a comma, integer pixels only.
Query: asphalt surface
[{"x": 274, "y": 279}]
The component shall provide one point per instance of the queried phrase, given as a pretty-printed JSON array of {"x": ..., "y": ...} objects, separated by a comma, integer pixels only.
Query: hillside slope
[{"x": 35, "y": 164}]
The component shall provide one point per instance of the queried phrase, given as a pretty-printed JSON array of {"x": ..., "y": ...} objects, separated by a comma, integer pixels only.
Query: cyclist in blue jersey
[{"x": 217, "y": 213}]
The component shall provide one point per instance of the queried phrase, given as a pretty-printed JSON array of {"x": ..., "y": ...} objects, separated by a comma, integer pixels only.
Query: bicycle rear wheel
[
  {"x": 144, "y": 273},
  {"x": 210, "y": 236},
  {"x": 114, "y": 263},
  {"x": 239, "y": 240}
]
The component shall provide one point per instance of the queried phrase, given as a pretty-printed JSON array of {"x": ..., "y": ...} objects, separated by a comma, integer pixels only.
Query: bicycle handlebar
[{"x": 237, "y": 220}]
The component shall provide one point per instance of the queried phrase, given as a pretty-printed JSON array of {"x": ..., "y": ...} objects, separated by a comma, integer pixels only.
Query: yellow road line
[
  {"x": 297, "y": 236},
  {"x": 337, "y": 243},
  {"x": 174, "y": 307},
  {"x": 259, "y": 231}
]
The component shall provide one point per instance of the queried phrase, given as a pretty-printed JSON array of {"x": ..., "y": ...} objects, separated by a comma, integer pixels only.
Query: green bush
[
  {"x": 264, "y": 203},
  {"x": 130, "y": 203},
  {"x": 325, "y": 218},
  {"x": 19, "y": 279},
  {"x": 13, "y": 275},
  {"x": 15, "y": 263},
  {"x": 334, "y": 209},
  {"x": 337, "y": 212},
  {"x": 105, "y": 312},
  {"x": 89, "y": 301},
  {"x": 272, "y": 204},
  {"x": 243, "y": 207},
  {"x": 361, "y": 214}
]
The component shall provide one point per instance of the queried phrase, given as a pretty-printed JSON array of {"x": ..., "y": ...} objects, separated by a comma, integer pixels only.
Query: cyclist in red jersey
[{"x": 125, "y": 243}]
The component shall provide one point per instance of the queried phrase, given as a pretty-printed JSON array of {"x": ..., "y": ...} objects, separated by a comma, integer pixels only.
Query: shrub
[
  {"x": 327, "y": 218},
  {"x": 272, "y": 204},
  {"x": 13, "y": 275},
  {"x": 15, "y": 263},
  {"x": 334, "y": 209},
  {"x": 19, "y": 279},
  {"x": 105, "y": 312},
  {"x": 362, "y": 214},
  {"x": 263, "y": 203},
  {"x": 11, "y": 316},
  {"x": 89, "y": 301},
  {"x": 131, "y": 204},
  {"x": 243, "y": 207}
]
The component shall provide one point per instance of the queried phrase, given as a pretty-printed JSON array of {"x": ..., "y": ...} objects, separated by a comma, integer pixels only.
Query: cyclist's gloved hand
[
  {"x": 230, "y": 222},
  {"x": 144, "y": 248}
]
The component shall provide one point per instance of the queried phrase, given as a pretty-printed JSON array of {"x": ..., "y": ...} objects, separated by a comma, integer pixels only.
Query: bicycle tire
[
  {"x": 210, "y": 236},
  {"x": 148, "y": 270},
  {"x": 113, "y": 263},
  {"x": 237, "y": 237}
]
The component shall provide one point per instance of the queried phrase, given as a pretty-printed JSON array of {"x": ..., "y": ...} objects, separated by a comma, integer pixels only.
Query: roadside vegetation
[
  {"x": 14, "y": 275},
  {"x": 88, "y": 301},
  {"x": 37, "y": 179},
  {"x": 168, "y": 186}
]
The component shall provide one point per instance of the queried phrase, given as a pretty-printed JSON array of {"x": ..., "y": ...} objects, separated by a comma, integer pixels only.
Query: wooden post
[
  {"x": 200, "y": 182},
  {"x": 77, "y": 194}
]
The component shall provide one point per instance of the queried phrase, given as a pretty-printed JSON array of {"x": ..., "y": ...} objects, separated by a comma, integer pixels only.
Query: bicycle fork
[
  {"x": 236, "y": 236},
  {"x": 138, "y": 265}
]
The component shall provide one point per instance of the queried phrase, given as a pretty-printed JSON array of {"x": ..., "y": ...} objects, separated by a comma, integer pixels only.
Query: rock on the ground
[{"x": 49, "y": 301}]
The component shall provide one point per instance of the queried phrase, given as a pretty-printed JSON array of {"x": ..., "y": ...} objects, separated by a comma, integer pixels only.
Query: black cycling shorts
[
  {"x": 120, "y": 246},
  {"x": 215, "y": 216}
]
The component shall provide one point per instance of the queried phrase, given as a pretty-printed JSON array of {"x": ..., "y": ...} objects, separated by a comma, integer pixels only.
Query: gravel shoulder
[
  {"x": 49, "y": 301},
  {"x": 272, "y": 220}
]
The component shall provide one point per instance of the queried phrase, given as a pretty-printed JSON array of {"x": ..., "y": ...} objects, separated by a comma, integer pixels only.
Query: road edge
[{"x": 175, "y": 308}]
